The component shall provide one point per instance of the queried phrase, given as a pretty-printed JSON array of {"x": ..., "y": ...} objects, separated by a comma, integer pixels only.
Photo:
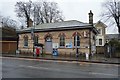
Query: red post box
[{"x": 37, "y": 51}]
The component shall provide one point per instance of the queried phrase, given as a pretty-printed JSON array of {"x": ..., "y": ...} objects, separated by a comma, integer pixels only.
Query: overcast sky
[{"x": 71, "y": 9}]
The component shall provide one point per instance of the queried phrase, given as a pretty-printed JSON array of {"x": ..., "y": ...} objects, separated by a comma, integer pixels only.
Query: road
[{"x": 36, "y": 68}]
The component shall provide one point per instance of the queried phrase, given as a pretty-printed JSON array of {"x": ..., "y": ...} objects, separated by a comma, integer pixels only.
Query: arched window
[
  {"x": 76, "y": 40},
  {"x": 48, "y": 39},
  {"x": 62, "y": 40},
  {"x": 25, "y": 41},
  {"x": 36, "y": 39}
]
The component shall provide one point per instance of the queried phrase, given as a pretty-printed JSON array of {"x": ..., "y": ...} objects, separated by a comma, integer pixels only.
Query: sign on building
[
  {"x": 55, "y": 45},
  {"x": 68, "y": 45}
]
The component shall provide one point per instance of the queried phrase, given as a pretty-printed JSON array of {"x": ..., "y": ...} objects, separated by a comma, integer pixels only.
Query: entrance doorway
[{"x": 48, "y": 44}]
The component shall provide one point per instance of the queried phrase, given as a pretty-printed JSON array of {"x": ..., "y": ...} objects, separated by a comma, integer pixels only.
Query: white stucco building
[{"x": 100, "y": 38}]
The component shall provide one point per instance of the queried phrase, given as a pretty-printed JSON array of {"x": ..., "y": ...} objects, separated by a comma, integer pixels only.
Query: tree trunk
[{"x": 119, "y": 30}]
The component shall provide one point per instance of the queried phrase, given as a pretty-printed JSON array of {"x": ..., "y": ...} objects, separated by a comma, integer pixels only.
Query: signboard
[
  {"x": 68, "y": 45},
  {"x": 55, "y": 45}
]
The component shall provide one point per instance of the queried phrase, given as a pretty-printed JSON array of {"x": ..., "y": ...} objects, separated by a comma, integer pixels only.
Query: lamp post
[
  {"x": 76, "y": 45},
  {"x": 33, "y": 36}
]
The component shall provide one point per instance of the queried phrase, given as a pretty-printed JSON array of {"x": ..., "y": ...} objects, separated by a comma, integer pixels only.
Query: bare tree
[
  {"x": 37, "y": 13},
  {"x": 7, "y": 22},
  {"x": 0, "y": 20},
  {"x": 46, "y": 12},
  {"x": 51, "y": 12},
  {"x": 23, "y": 9},
  {"x": 112, "y": 12},
  {"x": 40, "y": 12}
]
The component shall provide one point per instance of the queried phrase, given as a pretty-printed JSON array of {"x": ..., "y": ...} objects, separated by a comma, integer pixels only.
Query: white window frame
[{"x": 101, "y": 42}]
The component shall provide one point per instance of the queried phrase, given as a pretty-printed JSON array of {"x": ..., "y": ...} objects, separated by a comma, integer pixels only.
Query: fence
[{"x": 112, "y": 50}]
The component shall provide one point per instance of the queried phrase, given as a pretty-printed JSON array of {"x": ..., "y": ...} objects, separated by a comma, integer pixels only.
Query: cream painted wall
[{"x": 102, "y": 26}]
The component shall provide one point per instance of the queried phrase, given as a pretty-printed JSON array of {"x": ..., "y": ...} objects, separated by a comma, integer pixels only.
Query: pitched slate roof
[
  {"x": 70, "y": 23},
  {"x": 58, "y": 25},
  {"x": 101, "y": 23}
]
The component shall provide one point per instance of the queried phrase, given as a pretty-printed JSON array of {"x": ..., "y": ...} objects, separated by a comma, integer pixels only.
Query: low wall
[{"x": 100, "y": 50}]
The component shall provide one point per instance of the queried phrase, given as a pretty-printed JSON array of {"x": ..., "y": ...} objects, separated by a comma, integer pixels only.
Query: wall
[
  {"x": 84, "y": 41},
  {"x": 8, "y": 46},
  {"x": 100, "y": 25},
  {"x": 93, "y": 42},
  {"x": 100, "y": 48}
]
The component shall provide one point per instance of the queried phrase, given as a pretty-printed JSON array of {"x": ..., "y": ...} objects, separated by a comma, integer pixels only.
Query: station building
[{"x": 66, "y": 36}]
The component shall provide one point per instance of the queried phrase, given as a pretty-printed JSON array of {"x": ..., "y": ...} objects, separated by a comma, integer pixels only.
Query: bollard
[
  {"x": 87, "y": 56},
  {"x": 34, "y": 54}
]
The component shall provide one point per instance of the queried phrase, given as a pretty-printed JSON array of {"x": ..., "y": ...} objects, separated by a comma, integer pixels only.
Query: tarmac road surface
[{"x": 36, "y": 68}]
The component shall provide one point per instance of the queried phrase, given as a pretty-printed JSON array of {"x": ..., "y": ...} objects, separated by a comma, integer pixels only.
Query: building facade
[
  {"x": 67, "y": 36},
  {"x": 101, "y": 37}
]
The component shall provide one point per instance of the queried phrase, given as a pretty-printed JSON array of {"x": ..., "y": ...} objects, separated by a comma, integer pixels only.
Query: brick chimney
[
  {"x": 30, "y": 22},
  {"x": 90, "y": 17}
]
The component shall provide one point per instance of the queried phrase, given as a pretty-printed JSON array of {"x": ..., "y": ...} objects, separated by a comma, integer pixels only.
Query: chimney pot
[{"x": 90, "y": 17}]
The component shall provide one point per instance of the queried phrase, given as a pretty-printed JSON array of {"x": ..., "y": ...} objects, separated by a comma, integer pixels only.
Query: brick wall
[{"x": 84, "y": 42}]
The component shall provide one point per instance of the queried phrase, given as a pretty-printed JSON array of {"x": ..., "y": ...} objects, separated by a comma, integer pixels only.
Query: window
[
  {"x": 85, "y": 34},
  {"x": 36, "y": 39},
  {"x": 100, "y": 41},
  {"x": 48, "y": 39},
  {"x": 78, "y": 40},
  {"x": 26, "y": 41},
  {"x": 100, "y": 31},
  {"x": 62, "y": 41}
]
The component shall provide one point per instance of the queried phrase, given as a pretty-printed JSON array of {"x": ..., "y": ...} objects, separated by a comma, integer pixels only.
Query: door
[{"x": 48, "y": 45}]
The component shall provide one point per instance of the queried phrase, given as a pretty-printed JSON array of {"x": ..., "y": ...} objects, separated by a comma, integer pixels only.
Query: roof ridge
[{"x": 61, "y": 22}]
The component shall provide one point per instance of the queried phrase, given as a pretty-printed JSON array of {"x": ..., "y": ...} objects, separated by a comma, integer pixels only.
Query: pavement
[{"x": 97, "y": 58}]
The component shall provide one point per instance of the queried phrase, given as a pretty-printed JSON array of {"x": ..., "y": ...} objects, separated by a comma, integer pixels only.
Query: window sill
[
  {"x": 25, "y": 46},
  {"x": 62, "y": 47},
  {"x": 77, "y": 47}
]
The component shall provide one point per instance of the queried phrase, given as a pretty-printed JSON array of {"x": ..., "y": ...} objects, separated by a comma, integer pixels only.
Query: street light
[
  {"x": 76, "y": 45},
  {"x": 32, "y": 36}
]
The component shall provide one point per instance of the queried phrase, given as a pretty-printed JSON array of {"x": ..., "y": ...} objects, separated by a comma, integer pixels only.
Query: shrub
[{"x": 116, "y": 44}]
